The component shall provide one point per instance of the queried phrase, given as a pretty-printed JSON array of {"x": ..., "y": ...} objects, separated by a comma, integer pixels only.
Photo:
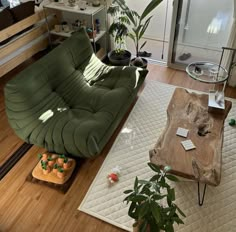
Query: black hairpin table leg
[{"x": 200, "y": 201}]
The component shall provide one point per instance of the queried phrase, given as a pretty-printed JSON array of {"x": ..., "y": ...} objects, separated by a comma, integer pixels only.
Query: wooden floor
[{"x": 26, "y": 207}]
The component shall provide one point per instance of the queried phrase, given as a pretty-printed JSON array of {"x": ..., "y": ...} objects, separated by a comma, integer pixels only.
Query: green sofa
[{"x": 69, "y": 101}]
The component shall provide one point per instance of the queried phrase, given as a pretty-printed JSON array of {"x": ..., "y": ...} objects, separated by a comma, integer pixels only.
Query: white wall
[{"x": 156, "y": 26}]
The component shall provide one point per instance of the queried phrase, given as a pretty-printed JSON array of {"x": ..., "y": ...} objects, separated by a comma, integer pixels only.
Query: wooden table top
[{"x": 190, "y": 111}]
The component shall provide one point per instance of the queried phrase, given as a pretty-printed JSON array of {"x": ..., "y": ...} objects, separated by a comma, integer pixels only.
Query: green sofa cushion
[{"x": 81, "y": 99}]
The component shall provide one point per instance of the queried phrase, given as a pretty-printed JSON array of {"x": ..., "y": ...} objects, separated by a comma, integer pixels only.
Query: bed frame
[{"x": 40, "y": 28}]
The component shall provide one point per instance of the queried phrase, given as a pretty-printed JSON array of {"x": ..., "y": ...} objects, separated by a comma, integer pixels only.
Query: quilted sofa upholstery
[{"x": 69, "y": 101}]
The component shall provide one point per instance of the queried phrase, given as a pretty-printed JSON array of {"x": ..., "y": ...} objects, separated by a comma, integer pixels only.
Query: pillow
[
  {"x": 6, "y": 19},
  {"x": 23, "y": 11}
]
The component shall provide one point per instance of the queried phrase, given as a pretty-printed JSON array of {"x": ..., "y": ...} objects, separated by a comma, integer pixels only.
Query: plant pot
[
  {"x": 51, "y": 163},
  {"x": 60, "y": 161},
  {"x": 54, "y": 170},
  {"x": 60, "y": 175},
  {"x": 44, "y": 157},
  {"x": 119, "y": 59},
  {"x": 67, "y": 165},
  {"x": 46, "y": 171},
  {"x": 142, "y": 64}
]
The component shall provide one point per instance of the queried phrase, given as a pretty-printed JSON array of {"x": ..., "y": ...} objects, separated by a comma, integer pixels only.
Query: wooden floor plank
[{"x": 26, "y": 206}]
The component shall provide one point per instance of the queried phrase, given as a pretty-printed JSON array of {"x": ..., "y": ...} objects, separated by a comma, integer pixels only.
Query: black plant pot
[
  {"x": 119, "y": 59},
  {"x": 141, "y": 62}
]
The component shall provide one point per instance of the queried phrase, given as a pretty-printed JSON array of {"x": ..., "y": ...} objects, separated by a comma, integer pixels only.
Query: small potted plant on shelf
[
  {"x": 138, "y": 24},
  {"x": 118, "y": 30},
  {"x": 60, "y": 173},
  {"x": 152, "y": 202}
]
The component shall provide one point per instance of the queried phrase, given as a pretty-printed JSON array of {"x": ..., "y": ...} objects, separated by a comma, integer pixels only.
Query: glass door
[{"x": 199, "y": 30}]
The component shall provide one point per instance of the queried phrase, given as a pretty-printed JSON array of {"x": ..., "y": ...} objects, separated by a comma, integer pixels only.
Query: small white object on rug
[{"x": 131, "y": 152}]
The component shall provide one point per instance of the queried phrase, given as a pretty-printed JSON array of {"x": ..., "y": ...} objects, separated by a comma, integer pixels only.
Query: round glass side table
[{"x": 210, "y": 73}]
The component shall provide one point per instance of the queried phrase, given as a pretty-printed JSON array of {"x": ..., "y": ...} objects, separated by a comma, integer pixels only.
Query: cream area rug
[{"x": 131, "y": 152}]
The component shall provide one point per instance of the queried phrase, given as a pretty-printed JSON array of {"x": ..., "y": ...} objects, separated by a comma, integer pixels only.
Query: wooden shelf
[
  {"x": 90, "y": 10},
  {"x": 68, "y": 34}
]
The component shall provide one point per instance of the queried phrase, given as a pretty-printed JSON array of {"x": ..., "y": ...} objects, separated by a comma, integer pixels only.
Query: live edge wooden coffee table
[{"x": 206, "y": 130}]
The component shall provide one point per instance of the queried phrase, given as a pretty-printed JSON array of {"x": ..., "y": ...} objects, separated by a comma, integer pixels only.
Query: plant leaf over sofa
[{"x": 69, "y": 101}]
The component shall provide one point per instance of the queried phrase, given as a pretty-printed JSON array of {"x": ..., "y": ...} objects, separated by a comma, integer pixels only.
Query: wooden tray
[{"x": 52, "y": 177}]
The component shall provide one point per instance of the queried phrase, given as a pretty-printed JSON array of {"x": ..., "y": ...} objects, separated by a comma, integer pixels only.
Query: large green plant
[
  {"x": 118, "y": 28},
  {"x": 152, "y": 202},
  {"x": 139, "y": 22}
]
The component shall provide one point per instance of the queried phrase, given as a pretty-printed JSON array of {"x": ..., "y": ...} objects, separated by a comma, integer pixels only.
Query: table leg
[{"x": 200, "y": 201}]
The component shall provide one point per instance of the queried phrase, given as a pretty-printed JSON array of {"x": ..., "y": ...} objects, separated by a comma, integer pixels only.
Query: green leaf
[
  {"x": 155, "y": 178},
  {"x": 143, "y": 182},
  {"x": 171, "y": 194},
  {"x": 158, "y": 197},
  {"x": 131, "y": 36},
  {"x": 143, "y": 226},
  {"x": 136, "y": 184},
  {"x": 155, "y": 209},
  {"x": 154, "y": 167},
  {"x": 178, "y": 220},
  {"x": 180, "y": 211},
  {"x": 138, "y": 198},
  {"x": 172, "y": 178},
  {"x": 150, "y": 7},
  {"x": 128, "y": 191},
  {"x": 142, "y": 45},
  {"x": 133, "y": 211},
  {"x": 144, "y": 28},
  {"x": 143, "y": 210},
  {"x": 169, "y": 228}
]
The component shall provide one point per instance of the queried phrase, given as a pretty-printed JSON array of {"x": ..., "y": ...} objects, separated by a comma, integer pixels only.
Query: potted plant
[
  {"x": 60, "y": 173},
  {"x": 118, "y": 30},
  {"x": 45, "y": 167},
  {"x": 43, "y": 157},
  {"x": 152, "y": 202},
  {"x": 60, "y": 159},
  {"x": 55, "y": 168},
  {"x": 66, "y": 163},
  {"x": 138, "y": 24},
  {"x": 51, "y": 161}
]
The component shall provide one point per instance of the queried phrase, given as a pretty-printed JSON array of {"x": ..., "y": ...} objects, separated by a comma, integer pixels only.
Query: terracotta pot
[
  {"x": 60, "y": 161},
  {"x": 51, "y": 163},
  {"x": 61, "y": 175},
  {"x": 55, "y": 170},
  {"x": 44, "y": 157},
  {"x": 67, "y": 165},
  {"x": 48, "y": 170}
]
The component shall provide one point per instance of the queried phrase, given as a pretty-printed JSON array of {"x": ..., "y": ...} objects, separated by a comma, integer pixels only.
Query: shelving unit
[{"x": 90, "y": 14}]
